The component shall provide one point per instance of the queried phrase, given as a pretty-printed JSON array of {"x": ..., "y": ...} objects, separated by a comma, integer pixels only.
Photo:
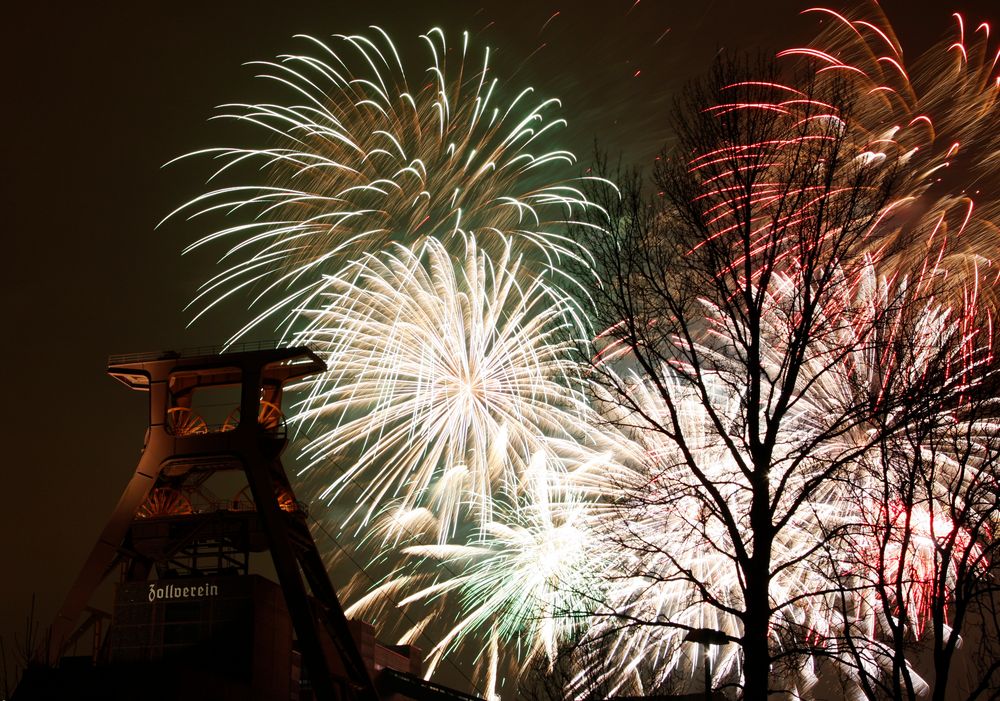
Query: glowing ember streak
[
  {"x": 359, "y": 158},
  {"x": 939, "y": 120},
  {"x": 441, "y": 370},
  {"x": 910, "y": 556}
]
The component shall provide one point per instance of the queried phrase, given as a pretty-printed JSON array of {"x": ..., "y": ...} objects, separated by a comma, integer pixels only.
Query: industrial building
[{"x": 190, "y": 619}]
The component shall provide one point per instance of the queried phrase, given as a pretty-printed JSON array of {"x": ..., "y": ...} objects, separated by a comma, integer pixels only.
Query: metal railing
[
  {"x": 193, "y": 352},
  {"x": 418, "y": 688},
  {"x": 205, "y": 505},
  {"x": 278, "y": 431}
]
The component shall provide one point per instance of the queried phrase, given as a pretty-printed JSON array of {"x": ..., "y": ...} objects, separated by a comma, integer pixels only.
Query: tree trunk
[
  {"x": 756, "y": 624},
  {"x": 756, "y": 654}
]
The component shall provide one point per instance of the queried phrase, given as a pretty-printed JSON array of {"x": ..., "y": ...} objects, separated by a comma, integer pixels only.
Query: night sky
[{"x": 99, "y": 95}]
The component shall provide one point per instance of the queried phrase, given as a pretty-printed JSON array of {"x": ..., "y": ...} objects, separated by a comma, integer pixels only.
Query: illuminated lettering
[{"x": 170, "y": 591}]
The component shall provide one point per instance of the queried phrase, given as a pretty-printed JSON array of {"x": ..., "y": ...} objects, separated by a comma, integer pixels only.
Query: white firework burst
[{"x": 444, "y": 374}]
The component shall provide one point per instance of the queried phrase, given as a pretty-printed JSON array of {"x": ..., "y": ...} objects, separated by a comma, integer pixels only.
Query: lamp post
[{"x": 707, "y": 637}]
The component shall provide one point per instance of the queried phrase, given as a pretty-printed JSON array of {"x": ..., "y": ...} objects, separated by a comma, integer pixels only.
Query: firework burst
[
  {"x": 409, "y": 228},
  {"x": 938, "y": 119},
  {"x": 444, "y": 373},
  {"x": 361, "y": 158},
  {"x": 522, "y": 584}
]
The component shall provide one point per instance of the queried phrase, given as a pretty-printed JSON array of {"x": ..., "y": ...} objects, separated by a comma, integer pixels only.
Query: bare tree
[
  {"x": 740, "y": 288},
  {"x": 922, "y": 577},
  {"x": 15, "y": 659}
]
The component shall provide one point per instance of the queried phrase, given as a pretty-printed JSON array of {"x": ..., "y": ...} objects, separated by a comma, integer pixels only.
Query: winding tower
[{"x": 183, "y": 553}]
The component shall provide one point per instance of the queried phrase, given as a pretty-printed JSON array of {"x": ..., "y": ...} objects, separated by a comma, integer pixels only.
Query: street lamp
[{"x": 707, "y": 637}]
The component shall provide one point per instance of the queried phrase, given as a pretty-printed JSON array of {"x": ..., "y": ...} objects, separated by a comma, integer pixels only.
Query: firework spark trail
[
  {"x": 684, "y": 545},
  {"x": 939, "y": 120},
  {"x": 787, "y": 203},
  {"x": 913, "y": 566},
  {"x": 523, "y": 583},
  {"x": 443, "y": 372},
  {"x": 415, "y": 234},
  {"x": 361, "y": 159},
  {"x": 410, "y": 226}
]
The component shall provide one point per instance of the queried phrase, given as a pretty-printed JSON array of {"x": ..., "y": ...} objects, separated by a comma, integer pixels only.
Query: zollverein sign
[{"x": 167, "y": 592}]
